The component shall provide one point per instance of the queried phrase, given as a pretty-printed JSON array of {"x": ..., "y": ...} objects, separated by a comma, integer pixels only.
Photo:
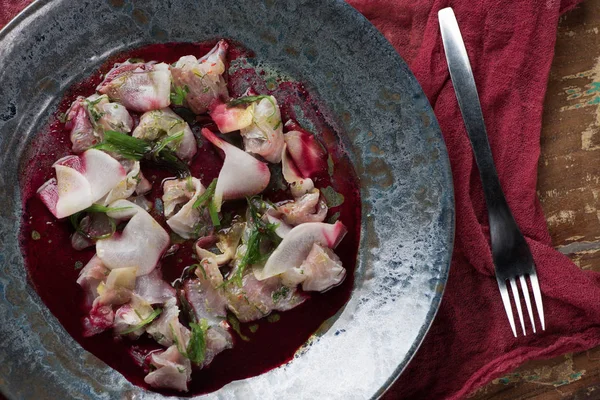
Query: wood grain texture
[{"x": 569, "y": 189}]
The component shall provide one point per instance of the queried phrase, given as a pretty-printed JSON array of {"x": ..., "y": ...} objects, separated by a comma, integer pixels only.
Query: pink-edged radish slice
[
  {"x": 74, "y": 191},
  {"x": 80, "y": 181},
  {"x": 241, "y": 175},
  {"x": 298, "y": 185},
  {"x": 140, "y": 244},
  {"x": 102, "y": 172},
  {"x": 306, "y": 151},
  {"x": 229, "y": 119},
  {"x": 297, "y": 244}
]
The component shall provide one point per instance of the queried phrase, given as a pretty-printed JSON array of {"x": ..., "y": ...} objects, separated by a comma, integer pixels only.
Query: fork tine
[
  {"x": 507, "y": 307},
  {"x": 515, "y": 291},
  {"x": 537, "y": 295},
  {"x": 527, "y": 300}
]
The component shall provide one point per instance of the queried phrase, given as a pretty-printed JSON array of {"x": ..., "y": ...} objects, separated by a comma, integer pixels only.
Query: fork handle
[{"x": 468, "y": 101}]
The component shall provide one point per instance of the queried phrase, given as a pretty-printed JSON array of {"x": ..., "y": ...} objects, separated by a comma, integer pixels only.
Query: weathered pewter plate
[{"x": 386, "y": 125}]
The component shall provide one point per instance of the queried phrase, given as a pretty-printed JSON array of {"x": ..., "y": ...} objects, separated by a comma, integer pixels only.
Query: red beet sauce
[{"x": 51, "y": 261}]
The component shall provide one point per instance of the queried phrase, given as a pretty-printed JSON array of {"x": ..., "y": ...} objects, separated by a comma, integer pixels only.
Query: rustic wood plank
[{"x": 569, "y": 190}]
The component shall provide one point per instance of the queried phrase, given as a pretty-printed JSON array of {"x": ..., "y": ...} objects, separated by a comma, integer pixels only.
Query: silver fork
[{"x": 512, "y": 258}]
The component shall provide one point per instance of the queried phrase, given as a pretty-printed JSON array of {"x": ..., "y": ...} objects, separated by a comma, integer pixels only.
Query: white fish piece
[
  {"x": 265, "y": 135},
  {"x": 166, "y": 329},
  {"x": 307, "y": 208},
  {"x": 90, "y": 277},
  {"x": 202, "y": 77},
  {"x": 131, "y": 315},
  {"x": 173, "y": 371},
  {"x": 88, "y": 119},
  {"x": 159, "y": 124},
  {"x": 183, "y": 222},
  {"x": 139, "y": 87},
  {"x": 126, "y": 187},
  {"x": 153, "y": 289},
  {"x": 256, "y": 299},
  {"x": 205, "y": 295},
  {"x": 321, "y": 271}
]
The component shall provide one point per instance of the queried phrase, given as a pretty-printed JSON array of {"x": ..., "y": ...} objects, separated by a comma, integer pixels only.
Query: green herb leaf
[
  {"x": 125, "y": 145},
  {"x": 235, "y": 325},
  {"x": 178, "y": 97},
  {"x": 164, "y": 142},
  {"x": 196, "y": 349},
  {"x": 143, "y": 322},
  {"x": 281, "y": 293},
  {"x": 103, "y": 209},
  {"x": 253, "y": 328},
  {"x": 207, "y": 195},
  {"x": 214, "y": 215},
  {"x": 261, "y": 231}
]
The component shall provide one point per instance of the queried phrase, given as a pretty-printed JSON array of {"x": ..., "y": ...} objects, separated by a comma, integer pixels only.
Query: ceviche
[{"x": 173, "y": 172}]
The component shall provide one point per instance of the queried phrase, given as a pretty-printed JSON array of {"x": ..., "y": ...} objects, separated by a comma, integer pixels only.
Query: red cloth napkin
[{"x": 511, "y": 45}]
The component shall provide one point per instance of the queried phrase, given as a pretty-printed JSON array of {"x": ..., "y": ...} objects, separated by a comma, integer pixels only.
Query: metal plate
[{"x": 372, "y": 98}]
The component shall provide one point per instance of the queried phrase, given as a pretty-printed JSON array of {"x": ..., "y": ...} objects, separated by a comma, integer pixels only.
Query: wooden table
[{"x": 569, "y": 189}]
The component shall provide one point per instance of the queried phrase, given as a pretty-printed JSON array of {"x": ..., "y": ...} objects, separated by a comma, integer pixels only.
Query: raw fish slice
[
  {"x": 153, "y": 288},
  {"x": 159, "y": 124},
  {"x": 321, "y": 271},
  {"x": 257, "y": 299},
  {"x": 203, "y": 78},
  {"x": 173, "y": 371},
  {"x": 184, "y": 222},
  {"x": 265, "y": 135},
  {"x": 78, "y": 122},
  {"x": 166, "y": 329},
  {"x": 308, "y": 208},
  {"x": 139, "y": 87}
]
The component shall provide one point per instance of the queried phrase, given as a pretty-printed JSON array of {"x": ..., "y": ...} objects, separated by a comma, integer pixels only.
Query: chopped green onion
[
  {"x": 214, "y": 214},
  {"x": 196, "y": 349},
  {"x": 143, "y": 322},
  {"x": 164, "y": 142},
  {"x": 127, "y": 146},
  {"x": 178, "y": 97},
  {"x": 103, "y": 209},
  {"x": 207, "y": 195},
  {"x": 261, "y": 231}
]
